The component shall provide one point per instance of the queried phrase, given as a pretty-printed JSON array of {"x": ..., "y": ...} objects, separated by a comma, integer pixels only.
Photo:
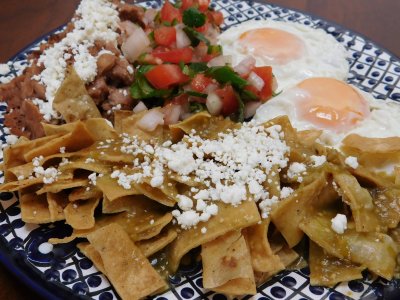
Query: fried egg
[
  {"x": 294, "y": 51},
  {"x": 334, "y": 107}
]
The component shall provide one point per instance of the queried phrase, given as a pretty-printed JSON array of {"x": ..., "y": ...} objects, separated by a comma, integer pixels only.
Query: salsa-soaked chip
[
  {"x": 229, "y": 218},
  {"x": 227, "y": 260},
  {"x": 377, "y": 251},
  {"x": 262, "y": 257},
  {"x": 78, "y": 139},
  {"x": 80, "y": 214},
  {"x": 82, "y": 193},
  {"x": 126, "y": 267},
  {"x": 72, "y": 100},
  {"x": 360, "y": 201},
  {"x": 34, "y": 208},
  {"x": 327, "y": 270},
  {"x": 112, "y": 190},
  {"x": 155, "y": 244},
  {"x": 294, "y": 208},
  {"x": 61, "y": 185},
  {"x": 57, "y": 203}
]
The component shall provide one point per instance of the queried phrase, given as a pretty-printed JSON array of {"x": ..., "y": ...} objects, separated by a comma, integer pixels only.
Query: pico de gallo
[{"x": 183, "y": 69}]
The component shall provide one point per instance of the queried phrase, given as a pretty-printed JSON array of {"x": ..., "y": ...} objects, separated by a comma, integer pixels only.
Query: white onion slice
[
  {"x": 210, "y": 88},
  {"x": 135, "y": 44},
  {"x": 214, "y": 104},
  {"x": 218, "y": 61},
  {"x": 256, "y": 81},
  {"x": 182, "y": 39},
  {"x": 151, "y": 120},
  {"x": 246, "y": 65},
  {"x": 172, "y": 114},
  {"x": 250, "y": 108},
  {"x": 127, "y": 28},
  {"x": 149, "y": 16},
  {"x": 139, "y": 107}
]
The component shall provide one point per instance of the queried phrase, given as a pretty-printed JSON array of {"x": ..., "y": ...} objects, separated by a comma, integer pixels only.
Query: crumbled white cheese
[
  {"x": 11, "y": 139},
  {"x": 339, "y": 223},
  {"x": 294, "y": 171},
  {"x": 96, "y": 20},
  {"x": 89, "y": 160},
  {"x": 203, "y": 230},
  {"x": 185, "y": 203},
  {"x": 62, "y": 149},
  {"x": 351, "y": 161},
  {"x": 4, "y": 69},
  {"x": 286, "y": 192},
  {"x": 93, "y": 178},
  {"x": 318, "y": 160}
]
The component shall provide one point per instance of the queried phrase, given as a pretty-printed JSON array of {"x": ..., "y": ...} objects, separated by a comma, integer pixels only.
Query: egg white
[
  {"x": 382, "y": 121},
  {"x": 323, "y": 55}
]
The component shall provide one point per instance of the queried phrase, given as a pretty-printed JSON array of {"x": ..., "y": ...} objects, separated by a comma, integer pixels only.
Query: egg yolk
[
  {"x": 331, "y": 104},
  {"x": 277, "y": 46}
]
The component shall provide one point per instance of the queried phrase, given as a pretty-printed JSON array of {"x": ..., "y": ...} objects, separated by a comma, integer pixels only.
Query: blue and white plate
[{"x": 65, "y": 273}]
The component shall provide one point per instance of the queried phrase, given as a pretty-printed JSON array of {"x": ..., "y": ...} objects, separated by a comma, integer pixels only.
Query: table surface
[{"x": 21, "y": 22}]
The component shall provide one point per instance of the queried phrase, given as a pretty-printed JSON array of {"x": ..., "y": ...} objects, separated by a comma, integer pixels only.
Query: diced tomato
[
  {"x": 229, "y": 100},
  {"x": 266, "y": 74},
  {"x": 208, "y": 57},
  {"x": 200, "y": 82},
  {"x": 182, "y": 99},
  {"x": 216, "y": 17},
  {"x": 203, "y": 4},
  {"x": 169, "y": 13},
  {"x": 203, "y": 28},
  {"x": 165, "y": 36},
  {"x": 174, "y": 56},
  {"x": 187, "y": 4},
  {"x": 165, "y": 76}
]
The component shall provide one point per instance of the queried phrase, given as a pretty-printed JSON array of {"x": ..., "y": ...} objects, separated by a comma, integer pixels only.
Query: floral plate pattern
[{"x": 65, "y": 273}]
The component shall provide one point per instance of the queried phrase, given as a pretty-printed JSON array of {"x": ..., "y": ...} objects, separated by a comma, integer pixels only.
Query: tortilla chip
[
  {"x": 262, "y": 257},
  {"x": 77, "y": 139},
  {"x": 82, "y": 193},
  {"x": 126, "y": 267},
  {"x": 112, "y": 190},
  {"x": 229, "y": 218},
  {"x": 227, "y": 259},
  {"x": 61, "y": 185},
  {"x": 57, "y": 203},
  {"x": 294, "y": 208},
  {"x": 80, "y": 214},
  {"x": 155, "y": 244},
  {"x": 90, "y": 252},
  {"x": 34, "y": 208},
  {"x": 327, "y": 270},
  {"x": 72, "y": 100}
]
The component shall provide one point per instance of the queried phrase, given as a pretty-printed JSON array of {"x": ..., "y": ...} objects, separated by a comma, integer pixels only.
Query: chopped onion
[
  {"x": 218, "y": 61},
  {"x": 127, "y": 28},
  {"x": 149, "y": 16},
  {"x": 210, "y": 88},
  {"x": 256, "y": 81},
  {"x": 135, "y": 44},
  {"x": 139, "y": 107},
  {"x": 182, "y": 39},
  {"x": 246, "y": 65},
  {"x": 250, "y": 108},
  {"x": 186, "y": 115},
  {"x": 151, "y": 120},
  {"x": 214, "y": 104},
  {"x": 172, "y": 113}
]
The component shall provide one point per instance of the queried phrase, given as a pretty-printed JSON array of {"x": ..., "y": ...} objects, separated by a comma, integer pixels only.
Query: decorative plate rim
[{"x": 17, "y": 266}]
